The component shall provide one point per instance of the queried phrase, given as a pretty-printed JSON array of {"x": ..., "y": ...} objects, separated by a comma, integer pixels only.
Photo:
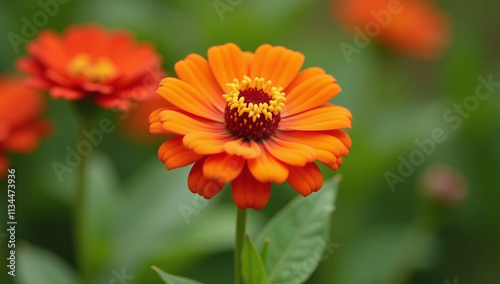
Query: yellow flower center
[
  {"x": 95, "y": 71},
  {"x": 253, "y": 108}
]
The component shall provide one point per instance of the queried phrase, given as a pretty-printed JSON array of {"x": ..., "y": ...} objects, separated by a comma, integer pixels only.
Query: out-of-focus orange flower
[
  {"x": 251, "y": 119},
  {"x": 20, "y": 122},
  {"x": 135, "y": 123},
  {"x": 414, "y": 27},
  {"x": 89, "y": 62}
]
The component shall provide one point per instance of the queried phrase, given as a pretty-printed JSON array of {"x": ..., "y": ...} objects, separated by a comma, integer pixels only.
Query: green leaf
[
  {"x": 40, "y": 266},
  {"x": 172, "y": 279},
  {"x": 253, "y": 269},
  {"x": 298, "y": 236}
]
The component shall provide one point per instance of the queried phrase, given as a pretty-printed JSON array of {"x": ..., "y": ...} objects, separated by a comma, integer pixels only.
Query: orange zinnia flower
[
  {"x": 87, "y": 61},
  {"x": 417, "y": 27},
  {"x": 251, "y": 119},
  {"x": 20, "y": 122}
]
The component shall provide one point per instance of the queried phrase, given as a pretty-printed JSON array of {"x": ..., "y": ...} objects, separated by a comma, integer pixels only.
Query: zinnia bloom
[
  {"x": 20, "y": 122},
  {"x": 417, "y": 28},
  {"x": 88, "y": 62},
  {"x": 251, "y": 119}
]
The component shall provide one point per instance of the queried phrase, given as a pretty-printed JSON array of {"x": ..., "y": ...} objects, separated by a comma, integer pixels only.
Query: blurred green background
[{"x": 135, "y": 214}]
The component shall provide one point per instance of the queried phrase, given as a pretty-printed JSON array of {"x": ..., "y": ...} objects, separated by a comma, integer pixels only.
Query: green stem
[
  {"x": 79, "y": 217},
  {"x": 241, "y": 220}
]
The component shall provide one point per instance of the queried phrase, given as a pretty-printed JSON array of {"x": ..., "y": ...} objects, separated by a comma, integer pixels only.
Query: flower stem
[
  {"x": 80, "y": 220},
  {"x": 241, "y": 220}
]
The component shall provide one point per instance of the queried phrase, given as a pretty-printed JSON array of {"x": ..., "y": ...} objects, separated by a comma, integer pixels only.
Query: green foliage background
[{"x": 135, "y": 219}]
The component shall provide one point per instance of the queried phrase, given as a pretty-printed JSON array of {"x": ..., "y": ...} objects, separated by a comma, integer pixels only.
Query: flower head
[
  {"x": 251, "y": 119},
  {"x": 417, "y": 28},
  {"x": 20, "y": 122},
  {"x": 89, "y": 62}
]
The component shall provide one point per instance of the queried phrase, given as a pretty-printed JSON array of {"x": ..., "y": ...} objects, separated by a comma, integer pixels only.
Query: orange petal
[
  {"x": 289, "y": 152},
  {"x": 21, "y": 142},
  {"x": 325, "y": 117},
  {"x": 305, "y": 180},
  {"x": 25, "y": 139},
  {"x": 155, "y": 125},
  {"x": 49, "y": 50},
  {"x": 157, "y": 128},
  {"x": 184, "y": 123},
  {"x": 310, "y": 93},
  {"x": 198, "y": 183},
  {"x": 205, "y": 143},
  {"x": 175, "y": 155},
  {"x": 58, "y": 79},
  {"x": 277, "y": 64},
  {"x": 327, "y": 147},
  {"x": 90, "y": 39},
  {"x": 119, "y": 48},
  {"x": 223, "y": 167},
  {"x": 184, "y": 96},
  {"x": 249, "y": 192},
  {"x": 266, "y": 168},
  {"x": 343, "y": 137},
  {"x": 38, "y": 83},
  {"x": 18, "y": 104},
  {"x": 304, "y": 75},
  {"x": 155, "y": 115},
  {"x": 227, "y": 63},
  {"x": 67, "y": 94},
  {"x": 30, "y": 66},
  {"x": 113, "y": 102},
  {"x": 196, "y": 71},
  {"x": 259, "y": 60},
  {"x": 335, "y": 165},
  {"x": 248, "y": 59},
  {"x": 132, "y": 61},
  {"x": 246, "y": 149}
]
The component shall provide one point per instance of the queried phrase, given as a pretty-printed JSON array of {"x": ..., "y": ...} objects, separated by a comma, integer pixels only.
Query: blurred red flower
[
  {"x": 417, "y": 28},
  {"x": 135, "y": 123},
  {"x": 20, "y": 122},
  {"x": 87, "y": 61}
]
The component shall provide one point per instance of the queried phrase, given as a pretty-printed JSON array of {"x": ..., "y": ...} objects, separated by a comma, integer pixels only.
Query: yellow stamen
[
  {"x": 81, "y": 65},
  {"x": 276, "y": 98}
]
